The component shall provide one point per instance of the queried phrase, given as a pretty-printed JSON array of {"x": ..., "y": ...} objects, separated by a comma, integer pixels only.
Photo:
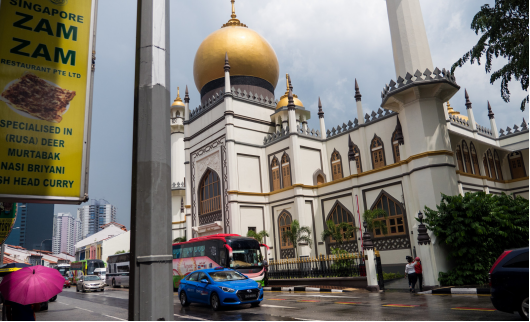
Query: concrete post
[
  {"x": 359, "y": 103},
  {"x": 369, "y": 260},
  {"x": 470, "y": 114},
  {"x": 151, "y": 290},
  {"x": 426, "y": 254}
]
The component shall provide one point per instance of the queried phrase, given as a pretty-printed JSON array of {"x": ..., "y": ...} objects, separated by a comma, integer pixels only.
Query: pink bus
[{"x": 226, "y": 250}]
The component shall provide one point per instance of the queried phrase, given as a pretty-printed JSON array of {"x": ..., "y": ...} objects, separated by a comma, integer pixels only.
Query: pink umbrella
[{"x": 34, "y": 284}]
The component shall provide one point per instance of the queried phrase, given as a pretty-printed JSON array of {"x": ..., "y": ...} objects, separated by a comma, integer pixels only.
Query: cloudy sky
[{"x": 323, "y": 45}]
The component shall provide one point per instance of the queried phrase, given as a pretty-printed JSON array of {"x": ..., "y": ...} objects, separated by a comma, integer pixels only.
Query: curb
[
  {"x": 458, "y": 290},
  {"x": 303, "y": 289}
]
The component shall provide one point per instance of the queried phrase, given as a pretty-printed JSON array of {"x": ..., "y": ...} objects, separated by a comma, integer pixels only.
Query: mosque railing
[{"x": 343, "y": 265}]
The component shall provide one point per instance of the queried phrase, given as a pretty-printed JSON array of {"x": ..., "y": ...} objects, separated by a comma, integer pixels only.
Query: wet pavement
[{"x": 111, "y": 305}]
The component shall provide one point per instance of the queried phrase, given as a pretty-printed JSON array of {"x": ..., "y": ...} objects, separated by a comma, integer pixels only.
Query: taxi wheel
[
  {"x": 214, "y": 302},
  {"x": 184, "y": 299},
  {"x": 76, "y": 288}
]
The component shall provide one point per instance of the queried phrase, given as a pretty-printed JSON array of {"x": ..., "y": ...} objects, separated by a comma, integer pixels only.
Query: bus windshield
[
  {"x": 92, "y": 265},
  {"x": 245, "y": 253},
  {"x": 63, "y": 270}
]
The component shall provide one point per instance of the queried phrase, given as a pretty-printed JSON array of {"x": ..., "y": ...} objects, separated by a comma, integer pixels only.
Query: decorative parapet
[
  {"x": 516, "y": 129},
  {"x": 254, "y": 98},
  {"x": 407, "y": 82},
  {"x": 457, "y": 120},
  {"x": 306, "y": 132},
  {"x": 174, "y": 120},
  {"x": 484, "y": 130},
  {"x": 276, "y": 136},
  {"x": 178, "y": 186},
  {"x": 381, "y": 113},
  {"x": 211, "y": 103}
]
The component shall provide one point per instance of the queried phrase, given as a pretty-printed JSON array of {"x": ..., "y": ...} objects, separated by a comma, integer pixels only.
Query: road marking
[
  {"x": 190, "y": 317},
  {"x": 347, "y": 302},
  {"x": 83, "y": 309},
  {"x": 459, "y": 294},
  {"x": 473, "y": 309},
  {"x": 342, "y": 297},
  {"x": 63, "y": 303},
  {"x": 269, "y": 305},
  {"x": 400, "y": 305},
  {"x": 311, "y": 301},
  {"x": 109, "y": 316},
  {"x": 277, "y": 299}
]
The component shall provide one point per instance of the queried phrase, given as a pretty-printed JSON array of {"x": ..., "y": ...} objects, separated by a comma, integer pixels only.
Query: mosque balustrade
[
  {"x": 210, "y": 218},
  {"x": 484, "y": 131},
  {"x": 516, "y": 130},
  {"x": 436, "y": 76},
  {"x": 460, "y": 122},
  {"x": 381, "y": 114},
  {"x": 277, "y": 136},
  {"x": 209, "y": 104},
  {"x": 253, "y": 97},
  {"x": 178, "y": 186},
  {"x": 306, "y": 132}
]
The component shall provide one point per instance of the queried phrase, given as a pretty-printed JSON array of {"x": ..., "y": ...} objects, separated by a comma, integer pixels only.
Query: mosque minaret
[{"x": 243, "y": 159}]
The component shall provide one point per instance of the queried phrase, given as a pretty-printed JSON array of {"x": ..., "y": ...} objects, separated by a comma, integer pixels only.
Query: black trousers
[
  {"x": 420, "y": 280},
  {"x": 412, "y": 280}
]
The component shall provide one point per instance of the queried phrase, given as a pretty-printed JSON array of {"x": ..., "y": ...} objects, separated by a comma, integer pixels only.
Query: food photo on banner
[
  {"x": 8, "y": 215},
  {"x": 46, "y": 73}
]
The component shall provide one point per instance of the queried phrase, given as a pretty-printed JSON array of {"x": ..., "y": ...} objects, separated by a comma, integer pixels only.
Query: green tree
[
  {"x": 370, "y": 217},
  {"x": 504, "y": 29},
  {"x": 477, "y": 228},
  {"x": 179, "y": 239},
  {"x": 258, "y": 236},
  {"x": 338, "y": 232},
  {"x": 297, "y": 235},
  {"x": 119, "y": 252}
]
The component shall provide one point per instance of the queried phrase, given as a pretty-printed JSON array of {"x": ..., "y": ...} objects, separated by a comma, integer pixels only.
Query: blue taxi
[{"x": 219, "y": 287}]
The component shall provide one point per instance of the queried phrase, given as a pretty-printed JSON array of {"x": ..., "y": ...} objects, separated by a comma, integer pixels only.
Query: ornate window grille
[
  {"x": 336, "y": 165},
  {"x": 378, "y": 153},
  {"x": 284, "y": 224}
]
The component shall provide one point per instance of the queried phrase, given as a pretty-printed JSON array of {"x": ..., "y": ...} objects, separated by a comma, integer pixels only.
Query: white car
[{"x": 90, "y": 283}]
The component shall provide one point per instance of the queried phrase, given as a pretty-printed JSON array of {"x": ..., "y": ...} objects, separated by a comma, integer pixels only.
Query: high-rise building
[
  {"x": 36, "y": 227},
  {"x": 66, "y": 233},
  {"x": 94, "y": 215}
]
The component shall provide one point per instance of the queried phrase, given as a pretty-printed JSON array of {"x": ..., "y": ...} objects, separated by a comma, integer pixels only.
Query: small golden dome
[
  {"x": 249, "y": 55},
  {"x": 284, "y": 100},
  {"x": 178, "y": 100},
  {"x": 451, "y": 111}
]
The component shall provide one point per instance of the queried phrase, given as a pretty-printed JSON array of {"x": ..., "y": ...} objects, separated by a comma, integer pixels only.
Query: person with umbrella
[{"x": 27, "y": 286}]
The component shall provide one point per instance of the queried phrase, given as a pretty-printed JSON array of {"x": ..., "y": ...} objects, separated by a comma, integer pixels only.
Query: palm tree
[
  {"x": 297, "y": 235},
  {"x": 258, "y": 236},
  {"x": 179, "y": 239},
  {"x": 338, "y": 232},
  {"x": 371, "y": 217}
]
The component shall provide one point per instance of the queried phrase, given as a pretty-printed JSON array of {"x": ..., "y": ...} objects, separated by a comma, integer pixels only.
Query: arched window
[
  {"x": 286, "y": 171},
  {"x": 378, "y": 153},
  {"x": 340, "y": 214},
  {"x": 395, "y": 223},
  {"x": 474, "y": 158},
  {"x": 336, "y": 165},
  {"x": 284, "y": 224},
  {"x": 275, "y": 170},
  {"x": 459, "y": 159},
  {"x": 491, "y": 164},
  {"x": 209, "y": 193},
  {"x": 395, "y": 147},
  {"x": 467, "y": 158},
  {"x": 498, "y": 165},
  {"x": 486, "y": 168},
  {"x": 320, "y": 179},
  {"x": 517, "y": 165}
]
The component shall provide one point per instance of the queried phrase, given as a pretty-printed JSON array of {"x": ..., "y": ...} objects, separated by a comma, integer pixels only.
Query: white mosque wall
[
  {"x": 249, "y": 174},
  {"x": 251, "y": 216},
  {"x": 311, "y": 162}
]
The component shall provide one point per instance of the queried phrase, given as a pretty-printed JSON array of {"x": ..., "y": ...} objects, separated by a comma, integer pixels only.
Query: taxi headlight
[
  {"x": 260, "y": 286},
  {"x": 228, "y": 289}
]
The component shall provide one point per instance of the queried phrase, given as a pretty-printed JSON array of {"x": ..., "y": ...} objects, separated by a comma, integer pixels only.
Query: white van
[{"x": 101, "y": 272}]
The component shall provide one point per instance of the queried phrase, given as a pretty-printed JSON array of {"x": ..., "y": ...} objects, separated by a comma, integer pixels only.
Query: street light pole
[{"x": 151, "y": 288}]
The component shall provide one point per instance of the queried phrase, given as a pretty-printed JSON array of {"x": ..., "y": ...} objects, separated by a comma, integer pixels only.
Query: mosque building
[{"x": 246, "y": 160}]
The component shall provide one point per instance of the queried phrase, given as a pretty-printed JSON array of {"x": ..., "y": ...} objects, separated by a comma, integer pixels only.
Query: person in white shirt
[{"x": 410, "y": 272}]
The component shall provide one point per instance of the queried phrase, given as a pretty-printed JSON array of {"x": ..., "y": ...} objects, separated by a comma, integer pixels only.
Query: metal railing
[{"x": 344, "y": 265}]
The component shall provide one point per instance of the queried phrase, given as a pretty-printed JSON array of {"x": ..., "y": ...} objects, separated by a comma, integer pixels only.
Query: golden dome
[
  {"x": 249, "y": 54},
  {"x": 178, "y": 100},
  {"x": 451, "y": 111},
  {"x": 284, "y": 100}
]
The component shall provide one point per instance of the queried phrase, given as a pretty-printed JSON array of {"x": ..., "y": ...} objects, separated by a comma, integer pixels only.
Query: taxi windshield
[
  {"x": 224, "y": 276},
  {"x": 91, "y": 278}
]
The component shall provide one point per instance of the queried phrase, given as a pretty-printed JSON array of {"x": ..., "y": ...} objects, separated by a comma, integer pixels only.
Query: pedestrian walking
[
  {"x": 419, "y": 273},
  {"x": 19, "y": 312},
  {"x": 410, "y": 272}
]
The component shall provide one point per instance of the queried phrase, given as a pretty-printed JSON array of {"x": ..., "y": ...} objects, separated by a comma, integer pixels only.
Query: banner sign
[
  {"x": 46, "y": 75},
  {"x": 75, "y": 266},
  {"x": 8, "y": 215}
]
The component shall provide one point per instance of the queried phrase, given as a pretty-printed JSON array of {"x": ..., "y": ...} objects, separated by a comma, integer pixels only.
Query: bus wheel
[{"x": 114, "y": 283}]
